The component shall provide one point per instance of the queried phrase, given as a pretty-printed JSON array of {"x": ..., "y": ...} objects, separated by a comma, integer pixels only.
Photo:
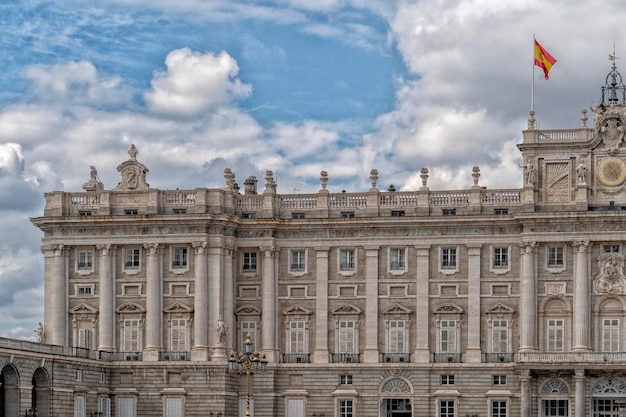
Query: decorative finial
[
  {"x": 374, "y": 178},
  {"x": 476, "y": 176},
  {"x": 323, "y": 179},
  {"x": 583, "y": 118},
  {"x": 531, "y": 120},
  {"x": 424, "y": 176},
  {"x": 133, "y": 152}
]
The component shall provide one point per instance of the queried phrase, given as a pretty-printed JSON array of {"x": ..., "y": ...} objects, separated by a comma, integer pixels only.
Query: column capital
[
  {"x": 581, "y": 245},
  {"x": 104, "y": 249},
  {"x": 152, "y": 248},
  {"x": 199, "y": 246},
  {"x": 579, "y": 374},
  {"x": 52, "y": 249},
  {"x": 528, "y": 247},
  {"x": 268, "y": 250}
]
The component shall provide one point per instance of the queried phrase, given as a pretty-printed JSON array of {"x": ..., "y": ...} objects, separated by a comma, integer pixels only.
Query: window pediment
[
  {"x": 296, "y": 309},
  {"x": 130, "y": 308},
  {"x": 347, "y": 309},
  {"x": 500, "y": 308},
  {"x": 448, "y": 309},
  {"x": 178, "y": 308},
  {"x": 397, "y": 309},
  {"x": 83, "y": 308}
]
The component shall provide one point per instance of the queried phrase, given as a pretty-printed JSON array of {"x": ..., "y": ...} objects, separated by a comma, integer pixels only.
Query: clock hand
[{"x": 612, "y": 170}]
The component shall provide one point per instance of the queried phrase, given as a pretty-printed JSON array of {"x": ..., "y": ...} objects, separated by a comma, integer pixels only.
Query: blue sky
[{"x": 293, "y": 86}]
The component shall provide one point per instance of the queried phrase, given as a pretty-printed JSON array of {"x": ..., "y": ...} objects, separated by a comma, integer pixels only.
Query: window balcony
[
  {"x": 396, "y": 357},
  {"x": 125, "y": 356},
  {"x": 174, "y": 356},
  {"x": 447, "y": 357},
  {"x": 499, "y": 357},
  {"x": 296, "y": 358},
  {"x": 346, "y": 357}
]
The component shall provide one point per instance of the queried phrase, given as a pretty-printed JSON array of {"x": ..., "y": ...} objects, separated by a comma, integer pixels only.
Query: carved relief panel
[{"x": 557, "y": 182}]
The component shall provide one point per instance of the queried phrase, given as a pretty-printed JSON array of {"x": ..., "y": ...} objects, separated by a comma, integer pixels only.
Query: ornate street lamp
[
  {"x": 247, "y": 362},
  {"x": 32, "y": 412}
]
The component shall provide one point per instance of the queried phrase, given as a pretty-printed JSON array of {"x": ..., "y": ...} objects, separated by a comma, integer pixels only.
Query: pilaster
[
  {"x": 370, "y": 353},
  {"x": 321, "y": 353}
]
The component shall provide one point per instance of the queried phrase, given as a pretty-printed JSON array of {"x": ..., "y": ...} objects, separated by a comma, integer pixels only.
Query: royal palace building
[{"x": 384, "y": 303}]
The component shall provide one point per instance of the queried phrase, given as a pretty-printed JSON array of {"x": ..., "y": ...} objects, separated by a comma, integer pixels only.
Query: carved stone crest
[
  {"x": 133, "y": 173},
  {"x": 610, "y": 277},
  {"x": 611, "y": 131}
]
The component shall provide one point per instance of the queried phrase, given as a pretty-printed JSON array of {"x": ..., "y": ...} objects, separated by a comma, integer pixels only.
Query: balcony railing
[
  {"x": 296, "y": 358},
  {"x": 125, "y": 356},
  {"x": 447, "y": 357},
  {"x": 174, "y": 356},
  {"x": 499, "y": 357},
  {"x": 396, "y": 357},
  {"x": 346, "y": 357},
  {"x": 565, "y": 357}
]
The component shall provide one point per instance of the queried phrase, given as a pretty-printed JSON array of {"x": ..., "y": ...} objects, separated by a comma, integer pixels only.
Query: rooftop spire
[{"x": 613, "y": 85}]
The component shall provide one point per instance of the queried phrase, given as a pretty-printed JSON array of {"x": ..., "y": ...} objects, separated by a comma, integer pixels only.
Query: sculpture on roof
[
  {"x": 93, "y": 184},
  {"x": 133, "y": 173}
]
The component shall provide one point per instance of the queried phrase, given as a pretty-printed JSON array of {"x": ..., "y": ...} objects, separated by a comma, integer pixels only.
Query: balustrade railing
[
  {"x": 346, "y": 357},
  {"x": 296, "y": 358}
]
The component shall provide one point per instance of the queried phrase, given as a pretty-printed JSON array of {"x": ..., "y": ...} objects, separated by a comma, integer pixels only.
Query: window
[
  {"x": 611, "y": 248},
  {"x": 501, "y": 211},
  {"x": 297, "y": 342},
  {"x": 79, "y": 375},
  {"x": 295, "y": 407},
  {"x": 249, "y": 262},
  {"x": 346, "y": 408},
  {"x": 125, "y": 406},
  {"x": 173, "y": 407},
  {"x": 500, "y": 257},
  {"x": 447, "y": 336},
  {"x": 179, "y": 257},
  {"x": 297, "y": 216},
  {"x": 180, "y": 211},
  {"x": 130, "y": 212},
  {"x": 447, "y": 379},
  {"x": 448, "y": 212},
  {"x": 345, "y": 379},
  {"x": 346, "y": 259},
  {"x": 298, "y": 261},
  {"x": 131, "y": 336},
  {"x": 84, "y": 290},
  {"x": 498, "y": 408},
  {"x": 247, "y": 215},
  {"x": 397, "y": 259},
  {"x": 347, "y": 337},
  {"x": 248, "y": 327},
  {"x": 85, "y": 260},
  {"x": 555, "y": 335},
  {"x": 446, "y": 408},
  {"x": 555, "y": 408},
  {"x": 132, "y": 259},
  {"x": 347, "y": 214},
  {"x": 499, "y": 336},
  {"x": 448, "y": 258},
  {"x": 84, "y": 212},
  {"x": 178, "y": 332},
  {"x": 397, "y": 213},
  {"x": 555, "y": 257},
  {"x": 79, "y": 406},
  {"x": 499, "y": 380},
  {"x": 105, "y": 407},
  {"x": 396, "y": 341},
  {"x": 85, "y": 338},
  {"x": 610, "y": 335}
]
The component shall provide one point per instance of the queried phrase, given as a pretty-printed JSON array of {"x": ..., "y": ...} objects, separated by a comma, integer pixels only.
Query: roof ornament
[{"x": 613, "y": 85}]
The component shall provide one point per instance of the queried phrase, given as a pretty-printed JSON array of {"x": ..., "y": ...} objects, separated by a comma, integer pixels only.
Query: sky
[{"x": 292, "y": 86}]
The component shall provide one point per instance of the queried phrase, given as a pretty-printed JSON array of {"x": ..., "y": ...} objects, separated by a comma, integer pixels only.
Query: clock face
[{"x": 612, "y": 171}]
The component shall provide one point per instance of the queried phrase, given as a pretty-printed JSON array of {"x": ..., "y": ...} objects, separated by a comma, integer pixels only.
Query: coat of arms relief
[{"x": 610, "y": 278}]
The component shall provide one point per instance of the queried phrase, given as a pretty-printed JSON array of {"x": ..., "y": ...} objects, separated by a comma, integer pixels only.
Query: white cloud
[{"x": 195, "y": 83}]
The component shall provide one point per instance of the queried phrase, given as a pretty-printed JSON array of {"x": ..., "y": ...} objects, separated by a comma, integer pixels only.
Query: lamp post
[
  {"x": 32, "y": 412},
  {"x": 247, "y": 362}
]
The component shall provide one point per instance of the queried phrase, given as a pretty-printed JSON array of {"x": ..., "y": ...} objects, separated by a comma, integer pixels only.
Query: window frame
[
  {"x": 346, "y": 407},
  {"x": 300, "y": 266},
  {"x": 80, "y": 267},
  {"x": 446, "y": 267},
  {"x": 249, "y": 262},
  {"x": 351, "y": 268},
  {"x": 179, "y": 266},
  {"x": 400, "y": 344},
  {"x": 500, "y": 262},
  {"x": 397, "y": 255},
  {"x": 132, "y": 266},
  {"x": 183, "y": 330},
  {"x": 556, "y": 262}
]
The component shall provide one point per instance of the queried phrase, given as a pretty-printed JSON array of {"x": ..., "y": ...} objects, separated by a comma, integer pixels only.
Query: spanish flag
[{"x": 543, "y": 59}]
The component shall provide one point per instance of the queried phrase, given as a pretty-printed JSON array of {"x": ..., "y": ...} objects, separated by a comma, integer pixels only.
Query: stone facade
[{"x": 477, "y": 302}]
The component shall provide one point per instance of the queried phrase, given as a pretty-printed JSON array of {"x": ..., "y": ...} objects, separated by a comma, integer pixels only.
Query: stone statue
[
  {"x": 581, "y": 170},
  {"x": 39, "y": 332},
  {"x": 222, "y": 329},
  {"x": 93, "y": 184},
  {"x": 530, "y": 174}
]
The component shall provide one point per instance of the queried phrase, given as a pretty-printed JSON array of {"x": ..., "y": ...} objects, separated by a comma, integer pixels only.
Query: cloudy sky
[{"x": 295, "y": 86}]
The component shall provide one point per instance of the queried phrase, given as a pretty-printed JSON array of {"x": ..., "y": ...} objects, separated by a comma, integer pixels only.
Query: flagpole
[{"x": 532, "y": 83}]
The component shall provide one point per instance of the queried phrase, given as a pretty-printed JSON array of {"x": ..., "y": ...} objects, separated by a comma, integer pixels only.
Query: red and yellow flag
[{"x": 543, "y": 59}]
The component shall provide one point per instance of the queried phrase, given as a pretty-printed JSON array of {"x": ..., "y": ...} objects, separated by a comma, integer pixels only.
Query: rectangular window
[
  {"x": 347, "y": 214},
  {"x": 500, "y": 336},
  {"x": 248, "y": 327},
  {"x": 297, "y": 260},
  {"x": 173, "y": 407},
  {"x": 498, "y": 408},
  {"x": 448, "y": 212},
  {"x": 500, "y": 257},
  {"x": 79, "y": 406},
  {"x": 130, "y": 212},
  {"x": 447, "y": 336},
  {"x": 179, "y": 258},
  {"x": 295, "y": 407},
  {"x": 85, "y": 260},
  {"x": 347, "y": 337},
  {"x": 249, "y": 262},
  {"x": 346, "y": 262},
  {"x": 178, "y": 331},
  {"x": 397, "y": 259},
  {"x": 396, "y": 342},
  {"x": 555, "y": 408},
  {"x": 180, "y": 211},
  {"x": 446, "y": 408},
  {"x": 131, "y": 335},
  {"x": 555, "y": 335},
  {"x": 297, "y": 216},
  {"x": 345, "y": 379},
  {"x": 447, "y": 379},
  {"x": 500, "y": 211},
  {"x": 610, "y": 335},
  {"x": 555, "y": 257},
  {"x": 84, "y": 290},
  {"x": 132, "y": 259},
  {"x": 611, "y": 248},
  {"x": 105, "y": 407},
  {"x": 499, "y": 380},
  {"x": 346, "y": 408},
  {"x": 448, "y": 257},
  {"x": 84, "y": 212},
  {"x": 125, "y": 407},
  {"x": 85, "y": 338},
  {"x": 297, "y": 337},
  {"x": 397, "y": 213},
  {"x": 79, "y": 375}
]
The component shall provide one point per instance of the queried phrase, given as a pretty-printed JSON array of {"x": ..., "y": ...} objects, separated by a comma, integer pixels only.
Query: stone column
[
  {"x": 106, "y": 301},
  {"x": 229, "y": 297},
  {"x": 200, "y": 350},
  {"x": 525, "y": 397},
  {"x": 154, "y": 300},
  {"x": 579, "y": 404},
  {"x": 370, "y": 353},
  {"x": 581, "y": 298},
  {"x": 56, "y": 332},
  {"x": 269, "y": 306},
  {"x": 320, "y": 354},
  {"x": 528, "y": 300},
  {"x": 422, "y": 306},
  {"x": 215, "y": 298},
  {"x": 473, "y": 305}
]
